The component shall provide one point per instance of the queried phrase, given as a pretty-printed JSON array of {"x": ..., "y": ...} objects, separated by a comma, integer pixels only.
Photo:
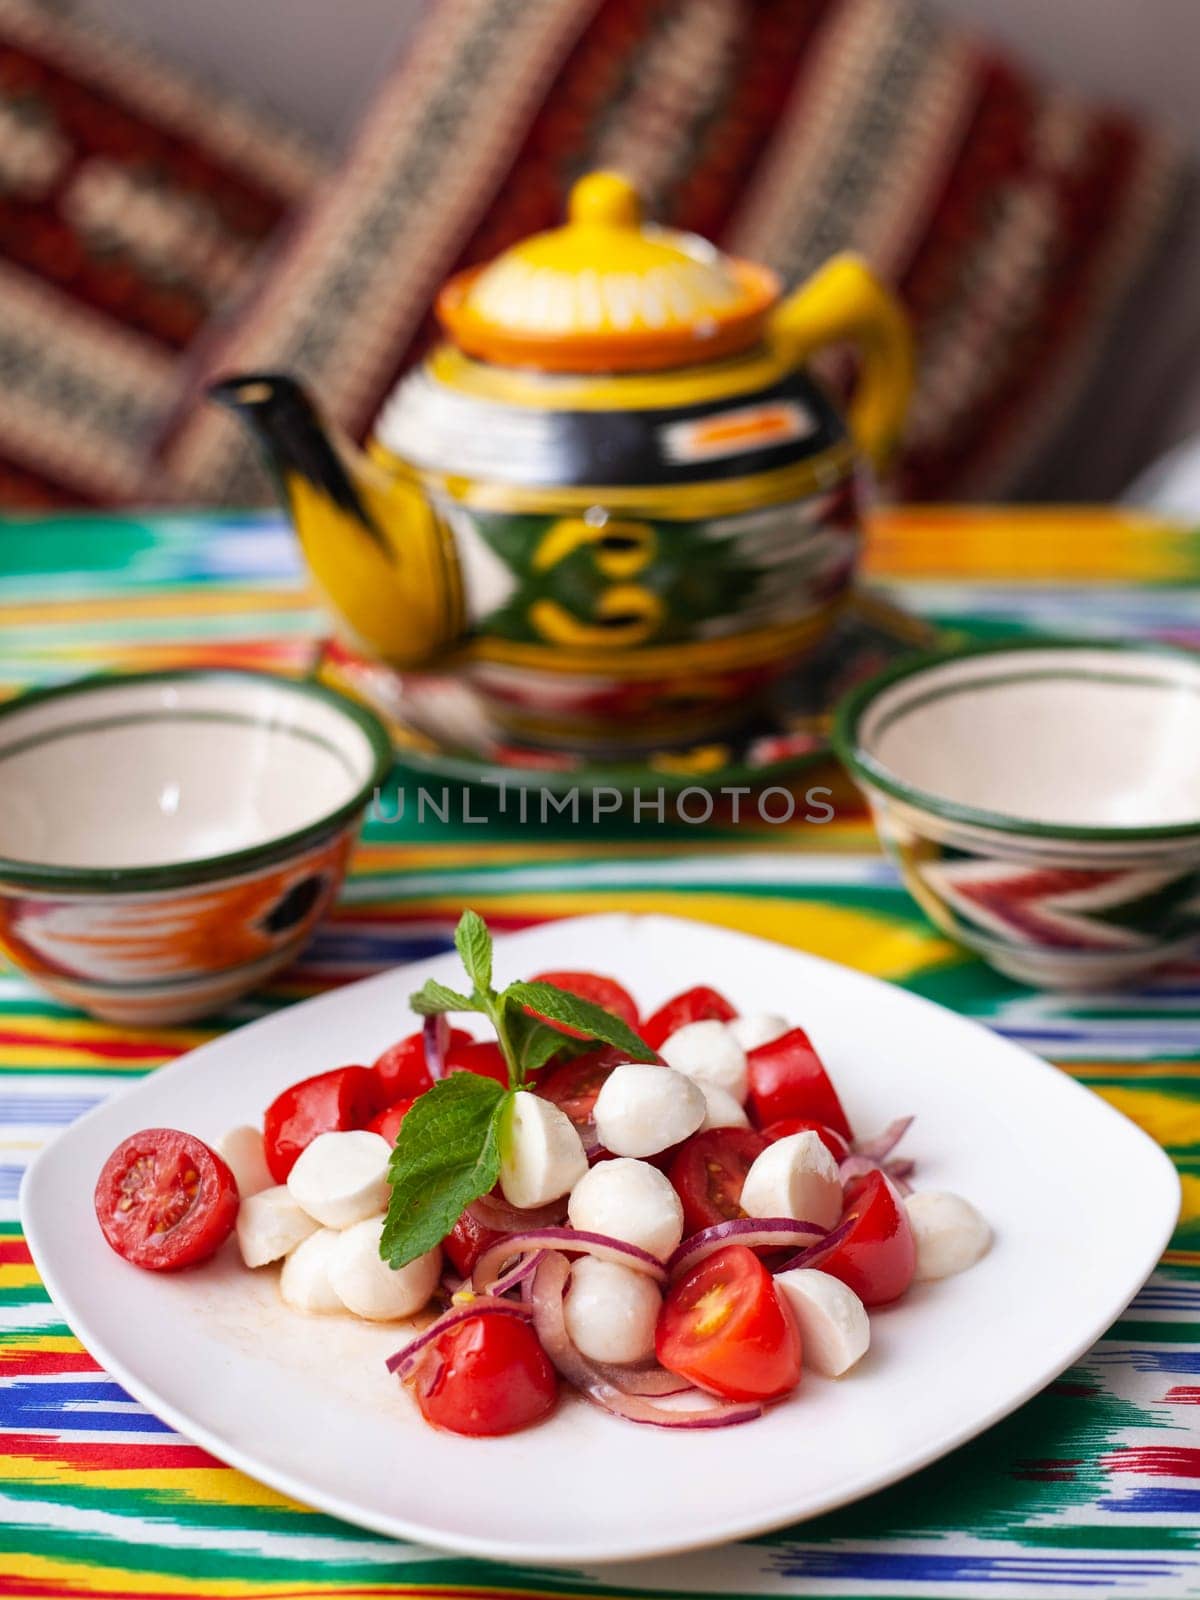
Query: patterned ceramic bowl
[
  {"x": 168, "y": 840},
  {"x": 1042, "y": 801}
]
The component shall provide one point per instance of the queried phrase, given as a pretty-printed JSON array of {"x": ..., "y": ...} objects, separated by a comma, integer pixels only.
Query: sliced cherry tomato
[
  {"x": 708, "y": 1172},
  {"x": 466, "y": 1242},
  {"x": 487, "y": 1375},
  {"x": 484, "y": 1058},
  {"x": 693, "y": 1005},
  {"x": 401, "y": 1071},
  {"x": 838, "y": 1147},
  {"x": 724, "y": 1328},
  {"x": 387, "y": 1122},
  {"x": 788, "y": 1080},
  {"x": 601, "y": 991},
  {"x": 328, "y": 1103},
  {"x": 877, "y": 1257},
  {"x": 574, "y": 1085},
  {"x": 164, "y": 1200}
]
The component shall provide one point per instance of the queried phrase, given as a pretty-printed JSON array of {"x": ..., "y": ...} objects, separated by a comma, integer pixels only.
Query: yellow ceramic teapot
[{"x": 614, "y": 498}]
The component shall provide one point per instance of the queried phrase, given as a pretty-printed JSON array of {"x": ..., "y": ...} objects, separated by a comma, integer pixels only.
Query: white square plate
[{"x": 1081, "y": 1201}]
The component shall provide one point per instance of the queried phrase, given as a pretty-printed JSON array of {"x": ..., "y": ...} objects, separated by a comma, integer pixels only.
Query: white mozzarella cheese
[
  {"x": 709, "y": 1053},
  {"x": 950, "y": 1234},
  {"x": 835, "y": 1331},
  {"x": 641, "y": 1110},
  {"x": 366, "y": 1285},
  {"x": 341, "y": 1178},
  {"x": 305, "y": 1282},
  {"x": 721, "y": 1109},
  {"x": 760, "y": 1027},
  {"x": 629, "y": 1200},
  {"x": 611, "y": 1311},
  {"x": 794, "y": 1177},
  {"x": 269, "y": 1224},
  {"x": 541, "y": 1154},
  {"x": 242, "y": 1151}
]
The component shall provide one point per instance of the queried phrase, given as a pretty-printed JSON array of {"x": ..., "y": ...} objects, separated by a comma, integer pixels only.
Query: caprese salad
[{"x": 673, "y": 1214}]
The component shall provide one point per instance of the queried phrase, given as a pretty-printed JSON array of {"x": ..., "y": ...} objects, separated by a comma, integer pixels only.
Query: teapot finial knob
[{"x": 606, "y": 200}]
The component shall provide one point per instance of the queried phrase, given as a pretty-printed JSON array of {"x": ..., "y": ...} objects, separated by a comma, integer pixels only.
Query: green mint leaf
[
  {"x": 534, "y": 1043},
  {"x": 434, "y": 998},
  {"x": 475, "y": 947},
  {"x": 447, "y": 1154},
  {"x": 572, "y": 1012}
]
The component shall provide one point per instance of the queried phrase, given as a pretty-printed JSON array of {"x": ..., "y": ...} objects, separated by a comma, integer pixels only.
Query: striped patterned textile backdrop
[{"x": 1092, "y": 1489}]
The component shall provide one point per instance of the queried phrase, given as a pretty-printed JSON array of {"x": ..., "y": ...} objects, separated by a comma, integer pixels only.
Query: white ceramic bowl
[
  {"x": 167, "y": 840},
  {"x": 1042, "y": 800}
]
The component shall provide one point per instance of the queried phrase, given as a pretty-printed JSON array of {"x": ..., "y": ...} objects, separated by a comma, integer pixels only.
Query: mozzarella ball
[
  {"x": 641, "y": 1110},
  {"x": 541, "y": 1154},
  {"x": 950, "y": 1234},
  {"x": 611, "y": 1311},
  {"x": 629, "y": 1200},
  {"x": 708, "y": 1052},
  {"x": 366, "y": 1285},
  {"x": 794, "y": 1177},
  {"x": 269, "y": 1224},
  {"x": 760, "y": 1027},
  {"x": 242, "y": 1151},
  {"x": 834, "y": 1328},
  {"x": 341, "y": 1178},
  {"x": 721, "y": 1109},
  {"x": 305, "y": 1282}
]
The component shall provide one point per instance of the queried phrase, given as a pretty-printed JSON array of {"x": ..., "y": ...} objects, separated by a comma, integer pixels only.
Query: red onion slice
[
  {"x": 859, "y": 1165},
  {"x": 490, "y": 1211},
  {"x": 404, "y": 1361},
  {"x": 550, "y": 1326},
  {"x": 652, "y": 1382},
  {"x": 882, "y": 1145},
  {"x": 436, "y": 1036},
  {"x": 520, "y": 1274},
  {"x": 756, "y": 1233},
  {"x": 816, "y": 1253},
  {"x": 590, "y": 1244}
]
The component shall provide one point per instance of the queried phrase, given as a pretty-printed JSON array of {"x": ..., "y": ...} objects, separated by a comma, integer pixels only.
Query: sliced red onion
[
  {"x": 756, "y": 1233},
  {"x": 436, "y": 1037},
  {"x": 490, "y": 1211},
  {"x": 654, "y": 1381},
  {"x": 551, "y": 1328},
  {"x": 899, "y": 1172},
  {"x": 882, "y": 1145},
  {"x": 520, "y": 1274},
  {"x": 816, "y": 1253},
  {"x": 859, "y": 1165},
  {"x": 403, "y": 1362},
  {"x": 590, "y": 1244}
]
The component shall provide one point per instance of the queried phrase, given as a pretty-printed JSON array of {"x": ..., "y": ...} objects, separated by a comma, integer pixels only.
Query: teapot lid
[{"x": 608, "y": 292}]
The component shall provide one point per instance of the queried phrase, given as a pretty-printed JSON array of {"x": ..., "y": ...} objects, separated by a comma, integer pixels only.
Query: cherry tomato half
[
  {"x": 484, "y": 1058},
  {"x": 878, "y": 1256},
  {"x": 693, "y": 1005},
  {"x": 838, "y": 1147},
  {"x": 401, "y": 1071},
  {"x": 574, "y": 1085},
  {"x": 708, "y": 1171},
  {"x": 329, "y": 1103},
  {"x": 487, "y": 1375},
  {"x": 164, "y": 1200},
  {"x": 604, "y": 992},
  {"x": 387, "y": 1122},
  {"x": 466, "y": 1242},
  {"x": 724, "y": 1328},
  {"x": 788, "y": 1080}
]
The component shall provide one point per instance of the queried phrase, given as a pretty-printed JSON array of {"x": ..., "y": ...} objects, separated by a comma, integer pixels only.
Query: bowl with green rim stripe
[
  {"x": 1042, "y": 800},
  {"x": 168, "y": 840}
]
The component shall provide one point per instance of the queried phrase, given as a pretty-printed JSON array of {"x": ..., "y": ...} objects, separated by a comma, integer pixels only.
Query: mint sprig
[{"x": 447, "y": 1152}]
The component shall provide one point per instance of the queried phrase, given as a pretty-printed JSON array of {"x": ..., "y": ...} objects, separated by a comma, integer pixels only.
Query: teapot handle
[{"x": 844, "y": 300}]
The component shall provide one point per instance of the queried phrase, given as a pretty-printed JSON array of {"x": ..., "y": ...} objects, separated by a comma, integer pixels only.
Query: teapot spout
[{"x": 382, "y": 557}]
